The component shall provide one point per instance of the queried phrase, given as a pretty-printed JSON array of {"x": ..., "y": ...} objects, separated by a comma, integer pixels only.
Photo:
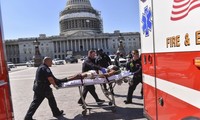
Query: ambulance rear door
[
  {"x": 171, "y": 73},
  {"x": 148, "y": 58},
  {"x": 6, "y": 109}
]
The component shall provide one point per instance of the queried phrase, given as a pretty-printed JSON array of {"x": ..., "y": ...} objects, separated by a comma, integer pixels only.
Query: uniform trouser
[
  {"x": 37, "y": 100},
  {"x": 91, "y": 89},
  {"x": 110, "y": 87},
  {"x": 132, "y": 87}
]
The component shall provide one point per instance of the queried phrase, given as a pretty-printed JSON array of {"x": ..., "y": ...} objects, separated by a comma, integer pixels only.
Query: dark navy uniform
[
  {"x": 89, "y": 64},
  {"x": 116, "y": 60},
  {"x": 43, "y": 90},
  {"x": 136, "y": 67},
  {"x": 104, "y": 60}
]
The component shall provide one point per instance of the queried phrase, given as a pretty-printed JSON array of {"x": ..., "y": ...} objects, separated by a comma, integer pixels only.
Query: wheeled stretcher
[{"x": 114, "y": 79}]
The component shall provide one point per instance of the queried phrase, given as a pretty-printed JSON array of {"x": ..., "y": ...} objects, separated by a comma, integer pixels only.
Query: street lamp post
[{"x": 37, "y": 58}]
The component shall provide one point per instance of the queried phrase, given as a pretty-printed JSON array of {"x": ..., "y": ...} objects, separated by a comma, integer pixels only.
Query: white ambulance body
[{"x": 170, "y": 47}]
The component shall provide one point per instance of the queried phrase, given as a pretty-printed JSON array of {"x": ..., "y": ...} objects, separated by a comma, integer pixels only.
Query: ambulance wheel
[
  {"x": 110, "y": 103},
  {"x": 84, "y": 112}
]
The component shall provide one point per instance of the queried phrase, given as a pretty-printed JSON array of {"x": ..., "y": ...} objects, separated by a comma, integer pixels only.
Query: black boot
[
  {"x": 100, "y": 102},
  {"x": 80, "y": 102}
]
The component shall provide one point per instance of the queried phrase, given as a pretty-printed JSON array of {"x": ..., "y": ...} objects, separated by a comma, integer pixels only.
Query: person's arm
[
  {"x": 128, "y": 66},
  {"x": 108, "y": 59},
  {"x": 91, "y": 65},
  {"x": 77, "y": 76},
  {"x": 117, "y": 61},
  {"x": 110, "y": 73},
  {"x": 52, "y": 81},
  {"x": 138, "y": 68}
]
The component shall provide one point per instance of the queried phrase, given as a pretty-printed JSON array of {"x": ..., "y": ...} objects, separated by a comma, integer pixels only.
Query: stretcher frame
[
  {"x": 89, "y": 106},
  {"x": 111, "y": 100}
]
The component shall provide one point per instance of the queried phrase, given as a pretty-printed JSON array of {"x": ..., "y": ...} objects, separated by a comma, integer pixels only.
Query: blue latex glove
[{"x": 103, "y": 70}]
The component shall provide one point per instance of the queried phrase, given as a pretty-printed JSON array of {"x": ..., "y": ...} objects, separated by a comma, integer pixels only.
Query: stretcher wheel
[
  {"x": 84, "y": 107},
  {"x": 110, "y": 103},
  {"x": 84, "y": 112}
]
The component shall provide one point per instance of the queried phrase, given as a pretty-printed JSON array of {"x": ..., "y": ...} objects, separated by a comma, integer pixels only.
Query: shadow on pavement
[
  {"x": 138, "y": 97},
  {"x": 120, "y": 113},
  {"x": 60, "y": 118}
]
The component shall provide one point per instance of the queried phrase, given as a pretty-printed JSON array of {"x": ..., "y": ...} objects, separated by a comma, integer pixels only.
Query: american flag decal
[{"x": 181, "y": 8}]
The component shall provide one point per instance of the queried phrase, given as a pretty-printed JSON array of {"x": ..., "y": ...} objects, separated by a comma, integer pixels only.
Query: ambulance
[
  {"x": 170, "y": 50},
  {"x": 6, "y": 109}
]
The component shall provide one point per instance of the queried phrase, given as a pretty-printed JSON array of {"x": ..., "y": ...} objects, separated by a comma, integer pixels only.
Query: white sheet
[{"x": 97, "y": 80}]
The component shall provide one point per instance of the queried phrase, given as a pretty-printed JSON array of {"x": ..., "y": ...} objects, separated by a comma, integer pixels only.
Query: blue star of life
[{"x": 146, "y": 21}]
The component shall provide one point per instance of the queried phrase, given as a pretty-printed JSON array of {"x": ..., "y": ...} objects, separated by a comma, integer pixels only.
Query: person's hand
[
  {"x": 106, "y": 75},
  {"x": 101, "y": 75},
  {"x": 103, "y": 70},
  {"x": 56, "y": 87}
]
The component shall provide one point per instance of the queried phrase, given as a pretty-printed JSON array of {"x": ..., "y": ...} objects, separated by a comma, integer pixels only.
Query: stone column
[
  {"x": 86, "y": 43},
  {"x": 60, "y": 46},
  {"x": 72, "y": 45},
  {"x": 75, "y": 45},
  {"x": 56, "y": 47},
  {"x": 90, "y": 44},
  {"x": 106, "y": 43},
  {"x": 95, "y": 43},
  {"x": 83, "y": 44},
  {"x": 102, "y": 43},
  {"x": 80, "y": 46},
  {"x": 67, "y": 44}
]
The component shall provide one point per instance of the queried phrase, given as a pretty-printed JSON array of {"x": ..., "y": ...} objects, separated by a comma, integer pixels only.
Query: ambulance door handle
[
  {"x": 161, "y": 101},
  {"x": 145, "y": 59},
  {"x": 150, "y": 59}
]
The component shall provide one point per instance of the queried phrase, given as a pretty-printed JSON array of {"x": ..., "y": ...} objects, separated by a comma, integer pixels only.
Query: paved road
[{"x": 21, "y": 79}]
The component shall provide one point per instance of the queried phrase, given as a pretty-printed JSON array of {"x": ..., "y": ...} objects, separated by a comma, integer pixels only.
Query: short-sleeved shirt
[
  {"x": 41, "y": 78},
  {"x": 135, "y": 66}
]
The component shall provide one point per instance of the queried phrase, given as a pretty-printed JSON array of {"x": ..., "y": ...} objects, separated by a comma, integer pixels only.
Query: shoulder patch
[{"x": 48, "y": 70}]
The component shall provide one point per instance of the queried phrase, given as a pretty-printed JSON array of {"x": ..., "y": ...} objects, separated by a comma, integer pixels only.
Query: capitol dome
[
  {"x": 79, "y": 15},
  {"x": 78, "y": 4}
]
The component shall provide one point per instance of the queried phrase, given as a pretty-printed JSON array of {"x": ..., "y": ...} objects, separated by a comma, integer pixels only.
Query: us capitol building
[{"x": 81, "y": 29}]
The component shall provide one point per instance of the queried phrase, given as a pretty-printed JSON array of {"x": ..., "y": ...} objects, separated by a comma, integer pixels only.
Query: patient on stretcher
[{"x": 111, "y": 70}]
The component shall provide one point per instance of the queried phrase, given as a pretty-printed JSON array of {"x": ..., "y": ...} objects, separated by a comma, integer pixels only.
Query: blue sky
[{"x": 29, "y": 18}]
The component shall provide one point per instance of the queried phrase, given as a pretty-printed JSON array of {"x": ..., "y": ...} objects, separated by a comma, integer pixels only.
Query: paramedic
[
  {"x": 104, "y": 60},
  {"x": 134, "y": 66},
  {"x": 89, "y": 64},
  {"x": 44, "y": 78}
]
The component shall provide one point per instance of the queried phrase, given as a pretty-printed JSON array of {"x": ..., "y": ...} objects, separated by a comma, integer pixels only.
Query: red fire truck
[
  {"x": 6, "y": 110},
  {"x": 170, "y": 47}
]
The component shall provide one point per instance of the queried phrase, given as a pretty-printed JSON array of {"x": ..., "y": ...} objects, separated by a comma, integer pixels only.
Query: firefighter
[
  {"x": 44, "y": 78},
  {"x": 89, "y": 64},
  {"x": 134, "y": 66}
]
